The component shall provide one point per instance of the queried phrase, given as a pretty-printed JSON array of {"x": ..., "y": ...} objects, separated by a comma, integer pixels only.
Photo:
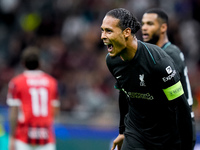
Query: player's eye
[
  {"x": 109, "y": 31},
  {"x": 150, "y": 23}
]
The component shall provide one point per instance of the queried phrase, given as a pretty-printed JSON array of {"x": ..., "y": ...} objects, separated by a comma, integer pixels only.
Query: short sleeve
[{"x": 13, "y": 98}]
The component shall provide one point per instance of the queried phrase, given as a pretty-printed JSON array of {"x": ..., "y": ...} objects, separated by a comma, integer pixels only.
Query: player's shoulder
[
  {"x": 49, "y": 77},
  {"x": 153, "y": 51},
  {"x": 18, "y": 78},
  {"x": 172, "y": 48},
  {"x": 151, "y": 48},
  {"x": 175, "y": 52}
]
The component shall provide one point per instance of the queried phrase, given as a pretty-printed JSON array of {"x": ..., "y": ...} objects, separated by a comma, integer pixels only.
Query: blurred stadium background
[{"x": 68, "y": 33}]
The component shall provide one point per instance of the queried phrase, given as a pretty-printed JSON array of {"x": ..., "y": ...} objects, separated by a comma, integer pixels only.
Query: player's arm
[
  {"x": 123, "y": 109},
  {"x": 118, "y": 142},
  {"x": 13, "y": 104},
  {"x": 172, "y": 87},
  {"x": 55, "y": 103},
  {"x": 178, "y": 103},
  {"x": 56, "y": 107},
  {"x": 13, "y": 114}
]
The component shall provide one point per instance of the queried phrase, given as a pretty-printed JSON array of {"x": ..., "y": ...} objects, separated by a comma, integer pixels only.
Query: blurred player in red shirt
[{"x": 33, "y": 101}]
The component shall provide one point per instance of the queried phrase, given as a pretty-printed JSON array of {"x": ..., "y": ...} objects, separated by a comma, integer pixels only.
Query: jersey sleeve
[
  {"x": 123, "y": 109},
  {"x": 169, "y": 79},
  {"x": 13, "y": 98},
  {"x": 122, "y": 101}
]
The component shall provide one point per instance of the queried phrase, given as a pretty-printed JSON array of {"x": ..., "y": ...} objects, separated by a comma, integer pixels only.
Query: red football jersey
[{"x": 35, "y": 92}]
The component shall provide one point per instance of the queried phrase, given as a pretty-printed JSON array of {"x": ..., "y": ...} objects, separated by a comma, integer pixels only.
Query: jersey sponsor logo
[
  {"x": 165, "y": 79},
  {"x": 141, "y": 77},
  {"x": 38, "y": 133},
  {"x": 169, "y": 70},
  {"x": 137, "y": 95}
]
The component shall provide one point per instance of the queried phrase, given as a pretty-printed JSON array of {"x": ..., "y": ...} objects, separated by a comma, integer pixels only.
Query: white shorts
[{"x": 19, "y": 145}]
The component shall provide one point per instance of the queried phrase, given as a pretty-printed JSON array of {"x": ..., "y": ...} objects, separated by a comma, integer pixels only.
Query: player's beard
[{"x": 154, "y": 39}]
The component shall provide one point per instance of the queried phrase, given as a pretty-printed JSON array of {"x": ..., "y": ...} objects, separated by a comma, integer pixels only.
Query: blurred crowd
[{"x": 68, "y": 35}]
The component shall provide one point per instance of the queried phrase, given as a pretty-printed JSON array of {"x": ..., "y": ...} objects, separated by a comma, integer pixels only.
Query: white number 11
[{"x": 39, "y": 99}]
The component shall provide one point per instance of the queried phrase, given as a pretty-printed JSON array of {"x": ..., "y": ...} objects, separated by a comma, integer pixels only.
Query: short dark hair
[
  {"x": 161, "y": 14},
  {"x": 30, "y": 58},
  {"x": 127, "y": 19}
]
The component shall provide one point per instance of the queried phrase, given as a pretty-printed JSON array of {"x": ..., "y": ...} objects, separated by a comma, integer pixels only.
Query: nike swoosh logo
[{"x": 118, "y": 77}]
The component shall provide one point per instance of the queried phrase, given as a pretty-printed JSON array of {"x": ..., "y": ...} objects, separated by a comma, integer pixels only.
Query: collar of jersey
[
  {"x": 33, "y": 72},
  {"x": 166, "y": 45}
]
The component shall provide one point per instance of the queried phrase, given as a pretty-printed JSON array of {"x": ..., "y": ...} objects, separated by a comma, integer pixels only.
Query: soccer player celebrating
[
  {"x": 33, "y": 101},
  {"x": 154, "y": 113},
  {"x": 154, "y": 30}
]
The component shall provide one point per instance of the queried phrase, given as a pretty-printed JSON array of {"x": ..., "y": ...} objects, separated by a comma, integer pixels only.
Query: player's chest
[{"x": 134, "y": 78}]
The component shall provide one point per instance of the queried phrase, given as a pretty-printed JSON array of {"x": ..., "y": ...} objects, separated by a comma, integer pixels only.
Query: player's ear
[
  {"x": 127, "y": 32},
  {"x": 163, "y": 27}
]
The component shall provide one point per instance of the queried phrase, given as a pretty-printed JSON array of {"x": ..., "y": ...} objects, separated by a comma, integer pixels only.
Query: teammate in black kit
[
  {"x": 154, "y": 30},
  {"x": 154, "y": 113}
]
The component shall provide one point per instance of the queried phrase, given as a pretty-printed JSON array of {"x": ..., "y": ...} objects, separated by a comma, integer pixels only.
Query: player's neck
[
  {"x": 162, "y": 40},
  {"x": 129, "y": 52}
]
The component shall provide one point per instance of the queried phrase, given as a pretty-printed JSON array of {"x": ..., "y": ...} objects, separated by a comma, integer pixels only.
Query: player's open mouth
[
  {"x": 110, "y": 47},
  {"x": 145, "y": 36}
]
